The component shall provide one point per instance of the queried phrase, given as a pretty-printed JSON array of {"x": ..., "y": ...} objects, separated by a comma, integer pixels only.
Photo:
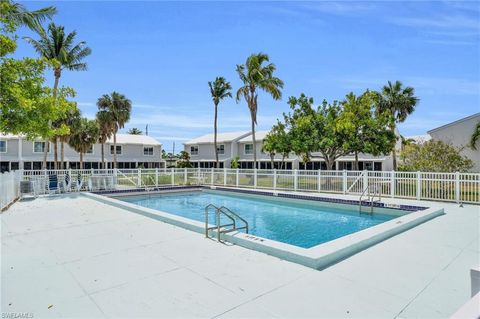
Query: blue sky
[{"x": 162, "y": 54}]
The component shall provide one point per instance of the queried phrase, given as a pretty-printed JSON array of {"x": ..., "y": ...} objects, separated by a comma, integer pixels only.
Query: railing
[
  {"x": 450, "y": 187},
  {"x": 221, "y": 227}
]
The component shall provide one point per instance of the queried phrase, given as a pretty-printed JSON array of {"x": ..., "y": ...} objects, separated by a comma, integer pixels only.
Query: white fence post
[
  {"x": 198, "y": 175},
  {"x": 173, "y": 175},
  {"x": 419, "y": 186},
  {"x": 139, "y": 177},
  {"x": 457, "y": 187},
  {"x": 274, "y": 179},
  {"x": 212, "y": 173},
  {"x": 392, "y": 184},
  {"x": 365, "y": 179},
  {"x": 224, "y": 176},
  {"x": 319, "y": 180},
  {"x": 237, "y": 177},
  {"x": 156, "y": 177},
  {"x": 185, "y": 177},
  {"x": 295, "y": 180},
  {"x": 344, "y": 181},
  {"x": 254, "y": 178}
]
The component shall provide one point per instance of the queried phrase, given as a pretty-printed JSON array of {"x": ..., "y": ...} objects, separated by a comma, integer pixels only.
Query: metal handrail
[
  {"x": 227, "y": 213},
  {"x": 370, "y": 196}
]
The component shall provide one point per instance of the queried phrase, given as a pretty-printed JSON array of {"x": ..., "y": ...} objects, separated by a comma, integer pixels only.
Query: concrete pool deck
[{"x": 71, "y": 256}]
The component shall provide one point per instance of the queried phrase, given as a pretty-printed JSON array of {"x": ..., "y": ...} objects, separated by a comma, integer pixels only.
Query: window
[
  {"x": 3, "y": 146},
  {"x": 221, "y": 149},
  {"x": 193, "y": 150},
  {"x": 39, "y": 147},
  {"x": 119, "y": 149},
  {"x": 248, "y": 149},
  {"x": 89, "y": 150},
  {"x": 148, "y": 150}
]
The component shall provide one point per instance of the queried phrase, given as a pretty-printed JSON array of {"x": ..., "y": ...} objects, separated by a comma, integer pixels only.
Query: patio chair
[
  {"x": 53, "y": 185},
  {"x": 66, "y": 183},
  {"x": 80, "y": 182}
]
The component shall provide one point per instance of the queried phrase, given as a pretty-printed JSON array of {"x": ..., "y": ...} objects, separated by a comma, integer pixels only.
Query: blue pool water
[{"x": 300, "y": 224}]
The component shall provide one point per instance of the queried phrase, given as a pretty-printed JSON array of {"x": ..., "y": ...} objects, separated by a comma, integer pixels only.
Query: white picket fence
[
  {"x": 10, "y": 188},
  {"x": 451, "y": 187}
]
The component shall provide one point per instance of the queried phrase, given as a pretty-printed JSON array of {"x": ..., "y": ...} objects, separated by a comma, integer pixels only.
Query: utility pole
[{"x": 146, "y": 129}]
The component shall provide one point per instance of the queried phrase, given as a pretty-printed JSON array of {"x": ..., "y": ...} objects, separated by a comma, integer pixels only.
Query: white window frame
[
  {"x": 92, "y": 152},
  {"x": 245, "y": 149},
  {"x": 121, "y": 149},
  {"x": 221, "y": 152},
  {"x": 147, "y": 146},
  {"x": 48, "y": 147},
  {"x": 191, "y": 152},
  {"x": 6, "y": 146}
]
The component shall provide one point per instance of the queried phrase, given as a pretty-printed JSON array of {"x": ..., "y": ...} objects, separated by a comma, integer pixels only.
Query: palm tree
[
  {"x": 219, "y": 89},
  {"x": 118, "y": 107},
  {"x": 134, "y": 131},
  {"x": 69, "y": 119},
  {"x": 106, "y": 127},
  {"x": 83, "y": 136},
  {"x": 19, "y": 15},
  {"x": 254, "y": 76},
  {"x": 475, "y": 136},
  {"x": 59, "y": 48},
  {"x": 399, "y": 102}
]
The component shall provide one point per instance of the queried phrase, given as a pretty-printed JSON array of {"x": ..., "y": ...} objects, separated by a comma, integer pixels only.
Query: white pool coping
[{"x": 317, "y": 257}]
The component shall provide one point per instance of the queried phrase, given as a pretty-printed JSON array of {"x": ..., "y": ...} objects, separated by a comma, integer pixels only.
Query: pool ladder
[
  {"x": 223, "y": 228},
  {"x": 371, "y": 191}
]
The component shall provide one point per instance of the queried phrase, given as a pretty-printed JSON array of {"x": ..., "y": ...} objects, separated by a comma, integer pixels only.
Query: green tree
[
  {"x": 475, "y": 136},
  {"x": 84, "y": 134},
  {"x": 134, "y": 131},
  {"x": 399, "y": 102},
  {"x": 118, "y": 107},
  {"x": 62, "y": 53},
  {"x": 64, "y": 123},
  {"x": 269, "y": 147},
  {"x": 219, "y": 90},
  {"x": 255, "y": 75},
  {"x": 277, "y": 141},
  {"x": 184, "y": 160},
  {"x": 235, "y": 162},
  {"x": 106, "y": 128},
  {"x": 366, "y": 131},
  {"x": 26, "y": 104},
  {"x": 433, "y": 156}
]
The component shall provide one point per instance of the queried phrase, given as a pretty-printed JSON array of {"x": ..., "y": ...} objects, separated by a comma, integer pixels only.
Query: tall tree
[
  {"x": 399, "y": 102},
  {"x": 21, "y": 16},
  {"x": 118, "y": 107},
  {"x": 134, "y": 131},
  {"x": 475, "y": 136},
  {"x": 256, "y": 75},
  {"x": 367, "y": 131},
  {"x": 62, "y": 53},
  {"x": 105, "y": 130},
  {"x": 277, "y": 141},
  {"x": 219, "y": 90},
  {"x": 83, "y": 136}
]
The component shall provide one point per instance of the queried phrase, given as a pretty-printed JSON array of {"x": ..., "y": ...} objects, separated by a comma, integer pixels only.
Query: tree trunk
[
  {"x": 215, "y": 136},
  {"x": 394, "y": 151},
  {"x": 283, "y": 161},
  {"x": 62, "y": 153},
  {"x": 55, "y": 153},
  {"x": 81, "y": 160},
  {"x": 272, "y": 159},
  {"x": 57, "y": 74},
  {"x": 254, "y": 141},
  {"x": 356, "y": 161},
  {"x": 115, "y": 149},
  {"x": 103, "y": 155}
]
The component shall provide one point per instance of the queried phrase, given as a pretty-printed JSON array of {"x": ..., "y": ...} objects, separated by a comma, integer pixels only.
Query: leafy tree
[
  {"x": 83, "y": 136},
  {"x": 366, "y": 131},
  {"x": 64, "y": 124},
  {"x": 257, "y": 76},
  {"x": 433, "y": 156},
  {"x": 475, "y": 136},
  {"x": 219, "y": 90},
  {"x": 277, "y": 141},
  {"x": 399, "y": 102},
  {"x": 184, "y": 160},
  {"x": 26, "y": 104},
  {"x": 59, "y": 49},
  {"x": 106, "y": 128},
  {"x": 134, "y": 131},
  {"x": 118, "y": 108}
]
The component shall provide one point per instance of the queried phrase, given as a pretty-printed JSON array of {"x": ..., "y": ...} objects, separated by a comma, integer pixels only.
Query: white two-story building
[
  {"x": 240, "y": 144},
  {"x": 133, "y": 151}
]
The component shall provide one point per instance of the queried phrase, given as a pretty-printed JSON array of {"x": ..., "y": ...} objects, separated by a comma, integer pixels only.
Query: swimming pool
[{"x": 302, "y": 224}]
